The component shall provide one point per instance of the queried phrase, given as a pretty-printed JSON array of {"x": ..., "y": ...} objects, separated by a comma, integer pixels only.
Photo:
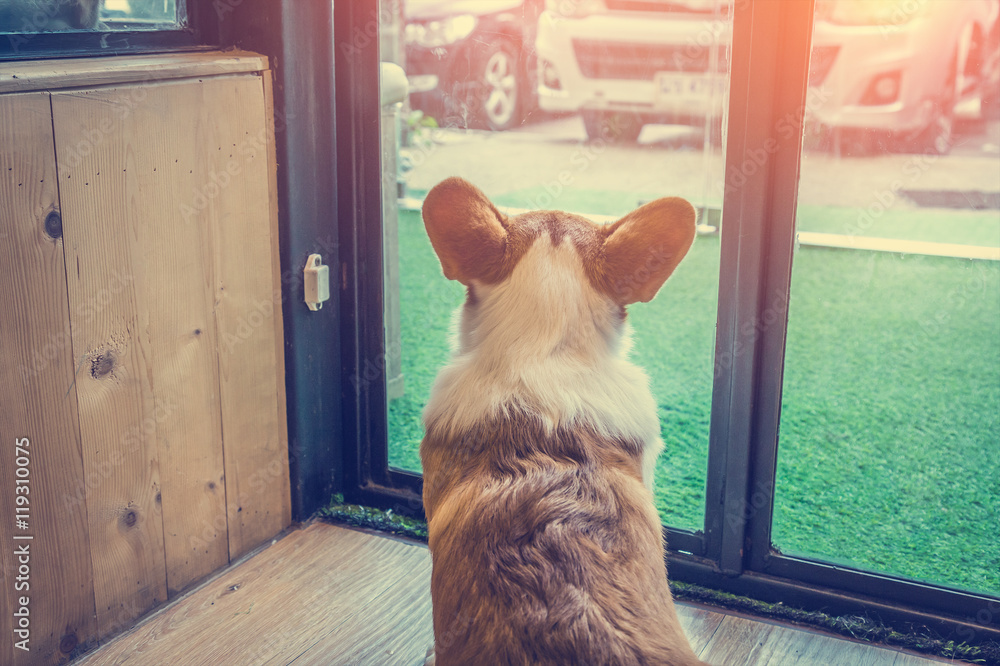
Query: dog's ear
[
  {"x": 643, "y": 248},
  {"x": 466, "y": 230}
]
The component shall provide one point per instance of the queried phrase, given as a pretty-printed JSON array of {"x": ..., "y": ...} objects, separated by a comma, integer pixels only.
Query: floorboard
[{"x": 327, "y": 595}]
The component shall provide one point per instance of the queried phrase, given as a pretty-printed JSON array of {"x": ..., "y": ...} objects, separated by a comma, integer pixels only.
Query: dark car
[{"x": 470, "y": 63}]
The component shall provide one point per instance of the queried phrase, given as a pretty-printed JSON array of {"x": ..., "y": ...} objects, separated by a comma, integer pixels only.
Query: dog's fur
[{"x": 541, "y": 439}]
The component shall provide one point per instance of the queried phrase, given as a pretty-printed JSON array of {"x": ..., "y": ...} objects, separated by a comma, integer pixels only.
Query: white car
[
  {"x": 893, "y": 70},
  {"x": 899, "y": 70},
  {"x": 624, "y": 63}
]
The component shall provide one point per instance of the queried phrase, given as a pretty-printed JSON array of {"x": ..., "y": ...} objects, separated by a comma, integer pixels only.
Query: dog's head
[{"x": 553, "y": 278}]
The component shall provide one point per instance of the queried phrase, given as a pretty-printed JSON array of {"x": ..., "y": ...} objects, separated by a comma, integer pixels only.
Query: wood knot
[
  {"x": 129, "y": 518},
  {"x": 68, "y": 643},
  {"x": 102, "y": 364},
  {"x": 211, "y": 485},
  {"x": 53, "y": 225}
]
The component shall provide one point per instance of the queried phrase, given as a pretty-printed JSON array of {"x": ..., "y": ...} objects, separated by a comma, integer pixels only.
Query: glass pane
[
  {"x": 34, "y": 16},
  {"x": 889, "y": 457},
  {"x": 586, "y": 107}
]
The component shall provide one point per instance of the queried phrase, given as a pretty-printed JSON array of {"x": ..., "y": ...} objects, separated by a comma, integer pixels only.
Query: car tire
[
  {"x": 612, "y": 126},
  {"x": 938, "y": 137},
  {"x": 990, "y": 104},
  {"x": 856, "y": 142},
  {"x": 496, "y": 102}
]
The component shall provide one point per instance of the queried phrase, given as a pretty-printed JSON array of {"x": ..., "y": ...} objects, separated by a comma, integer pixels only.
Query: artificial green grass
[
  {"x": 962, "y": 227},
  {"x": 889, "y": 455}
]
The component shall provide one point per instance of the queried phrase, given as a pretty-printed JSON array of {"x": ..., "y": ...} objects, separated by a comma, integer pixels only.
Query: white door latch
[{"x": 317, "y": 282}]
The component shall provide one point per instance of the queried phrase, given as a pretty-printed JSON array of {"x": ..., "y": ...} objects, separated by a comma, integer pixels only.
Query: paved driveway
[{"x": 551, "y": 156}]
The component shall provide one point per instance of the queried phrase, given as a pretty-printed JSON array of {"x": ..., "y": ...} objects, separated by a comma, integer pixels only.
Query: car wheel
[
  {"x": 990, "y": 104},
  {"x": 937, "y": 138},
  {"x": 856, "y": 142},
  {"x": 497, "y": 103},
  {"x": 989, "y": 62},
  {"x": 612, "y": 126}
]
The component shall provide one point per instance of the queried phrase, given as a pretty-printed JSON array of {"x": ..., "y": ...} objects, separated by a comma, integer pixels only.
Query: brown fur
[
  {"x": 546, "y": 546},
  {"x": 628, "y": 260}
]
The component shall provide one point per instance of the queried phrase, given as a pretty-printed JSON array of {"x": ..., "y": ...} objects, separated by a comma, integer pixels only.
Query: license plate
[{"x": 688, "y": 89}]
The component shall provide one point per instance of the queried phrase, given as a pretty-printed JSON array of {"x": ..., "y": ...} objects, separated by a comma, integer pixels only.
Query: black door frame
[{"x": 326, "y": 101}]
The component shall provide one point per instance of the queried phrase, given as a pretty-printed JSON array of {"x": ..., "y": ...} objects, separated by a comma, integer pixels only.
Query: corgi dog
[{"x": 541, "y": 439}]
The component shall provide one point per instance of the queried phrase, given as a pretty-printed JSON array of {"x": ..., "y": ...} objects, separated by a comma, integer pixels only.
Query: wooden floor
[{"x": 329, "y": 595}]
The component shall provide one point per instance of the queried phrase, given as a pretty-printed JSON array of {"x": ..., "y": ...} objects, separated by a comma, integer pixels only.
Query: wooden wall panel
[
  {"x": 160, "y": 399},
  {"x": 114, "y": 372},
  {"x": 187, "y": 162},
  {"x": 39, "y": 401},
  {"x": 251, "y": 361},
  {"x": 142, "y": 187}
]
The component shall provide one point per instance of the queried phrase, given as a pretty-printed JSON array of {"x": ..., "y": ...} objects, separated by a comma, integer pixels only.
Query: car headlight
[
  {"x": 869, "y": 12},
  {"x": 440, "y": 32},
  {"x": 576, "y": 8}
]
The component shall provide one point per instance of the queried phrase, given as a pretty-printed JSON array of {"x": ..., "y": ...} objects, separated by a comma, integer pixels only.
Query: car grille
[
  {"x": 625, "y": 60},
  {"x": 820, "y": 62}
]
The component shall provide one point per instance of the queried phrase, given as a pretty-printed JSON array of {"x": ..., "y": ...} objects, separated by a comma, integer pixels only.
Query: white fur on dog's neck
[{"x": 547, "y": 341}]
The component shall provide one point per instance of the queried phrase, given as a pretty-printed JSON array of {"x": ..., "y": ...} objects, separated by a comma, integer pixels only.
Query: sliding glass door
[{"x": 826, "y": 361}]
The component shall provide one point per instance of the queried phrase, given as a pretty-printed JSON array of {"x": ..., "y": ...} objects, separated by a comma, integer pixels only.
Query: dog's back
[{"x": 541, "y": 437}]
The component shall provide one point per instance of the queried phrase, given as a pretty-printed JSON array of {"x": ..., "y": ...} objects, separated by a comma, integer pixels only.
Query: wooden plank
[
  {"x": 156, "y": 160},
  {"x": 277, "y": 602},
  {"x": 400, "y": 616},
  {"x": 22, "y": 76},
  {"x": 788, "y": 647},
  {"x": 907, "y": 659},
  {"x": 39, "y": 403},
  {"x": 248, "y": 313},
  {"x": 329, "y": 595},
  {"x": 699, "y": 624},
  {"x": 119, "y": 415},
  {"x": 737, "y": 641}
]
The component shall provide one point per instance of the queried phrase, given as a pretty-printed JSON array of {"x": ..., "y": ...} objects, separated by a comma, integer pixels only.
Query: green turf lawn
[{"x": 889, "y": 456}]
